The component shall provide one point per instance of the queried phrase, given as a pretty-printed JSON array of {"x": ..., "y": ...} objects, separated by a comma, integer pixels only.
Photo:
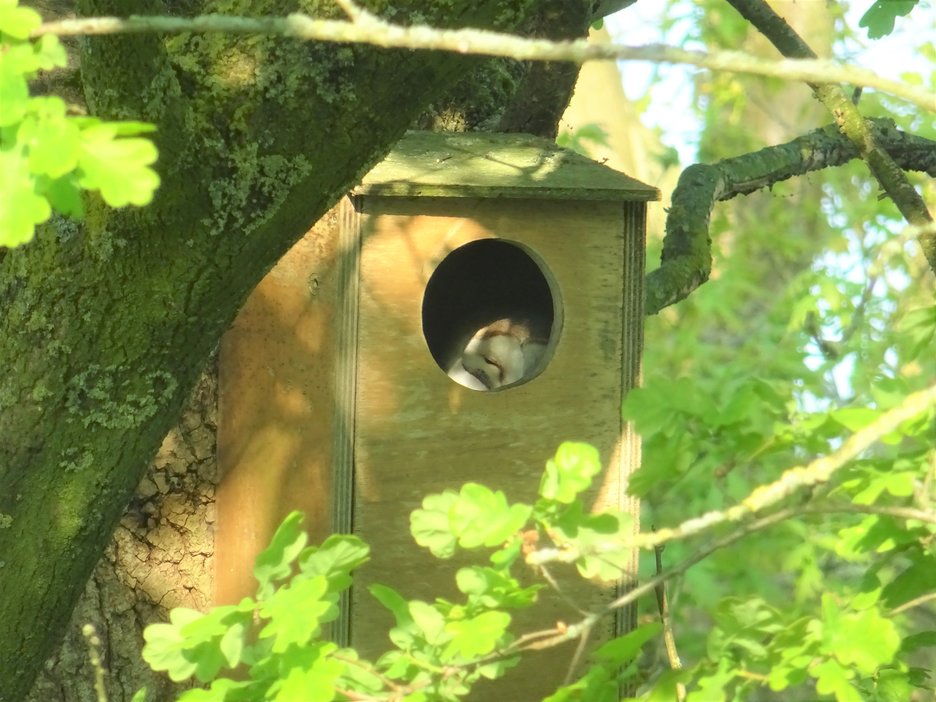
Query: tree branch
[
  {"x": 370, "y": 29},
  {"x": 849, "y": 120},
  {"x": 548, "y": 638},
  {"x": 687, "y": 257},
  {"x": 651, "y": 585},
  {"x": 765, "y": 496}
]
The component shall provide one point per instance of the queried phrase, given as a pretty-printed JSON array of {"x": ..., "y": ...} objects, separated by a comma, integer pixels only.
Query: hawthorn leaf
[
  {"x": 21, "y": 209},
  {"x": 118, "y": 167}
]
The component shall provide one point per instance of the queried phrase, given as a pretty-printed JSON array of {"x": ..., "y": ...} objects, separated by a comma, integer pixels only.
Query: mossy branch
[{"x": 687, "y": 256}]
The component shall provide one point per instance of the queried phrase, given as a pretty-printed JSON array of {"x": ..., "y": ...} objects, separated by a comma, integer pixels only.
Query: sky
[{"x": 670, "y": 104}]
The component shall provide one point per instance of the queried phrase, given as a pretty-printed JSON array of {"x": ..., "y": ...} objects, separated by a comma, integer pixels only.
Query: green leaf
[
  {"x": 892, "y": 686},
  {"x": 915, "y": 581},
  {"x": 855, "y": 418},
  {"x": 393, "y": 601},
  {"x": 666, "y": 685},
  {"x": 430, "y": 525},
  {"x": 833, "y": 679},
  {"x": 275, "y": 561},
  {"x": 429, "y": 621},
  {"x": 477, "y": 636},
  {"x": 53, "y": 143},
  {"x": 863, "y": 641},
  {"x": 482, "y": 517},
  {"x": 597, "y": 685},
  {"x": 918, "y": 328},
  {"x": 315, "y": 682},
  {"x": 335, "y": 559},
  {"x": 49, "y": 53},
  {"x": 360, "y": 677},
  {"x": 404, "y": 633},
  {"x": 880, "y": 17},
  {"x": 21, "y": 209},
  {"x": 924, "y": 639},
  {"x": 570, "y": 472},
  {"x": 218, "y": 692},
  {"x": 602, "y": 539},
  {"x": 296, "y": 612},
  {"x": 198, "y": 644},
  {"x": 63, "y": 194},
  {"x": 132, "y": 128},
  {"x": 118, "y": 167},
  {"x": 898, "y": 484},
  {"x": 477, "y": 516},
  {"x": 232, "y": 644},
  {"x": 14, "y": 92},
  {"x": 624, "y": 649},
  {"x": 493, "y": 588},
  {"x": 18, "y": 22}
]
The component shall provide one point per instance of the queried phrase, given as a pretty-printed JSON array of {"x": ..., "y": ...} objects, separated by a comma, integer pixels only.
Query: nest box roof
[{"x": 476, "y": 164}]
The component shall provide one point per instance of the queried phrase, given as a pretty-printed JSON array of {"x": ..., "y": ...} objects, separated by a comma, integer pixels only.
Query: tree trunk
[
  {"x": 107, "y": 324},
  {"x": 159, "y": 558}
]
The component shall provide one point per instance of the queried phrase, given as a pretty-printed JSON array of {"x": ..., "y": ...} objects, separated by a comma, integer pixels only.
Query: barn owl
[{"x": 499, "y": 354}]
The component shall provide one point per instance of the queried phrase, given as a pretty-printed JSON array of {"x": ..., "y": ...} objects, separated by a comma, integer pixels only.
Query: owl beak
[{"x": 482, "y": 377}]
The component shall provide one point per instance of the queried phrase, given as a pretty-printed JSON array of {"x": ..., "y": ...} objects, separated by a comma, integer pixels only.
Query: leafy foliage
[
  {"x": 850, "y": 647},
  {"x": 441, "y": 648},
  {"x": 48, "y": 157},
  {"x": 277, "y": 634},
  {"x": 820, "y": 319},
  {"x": 804, "y": 357}
]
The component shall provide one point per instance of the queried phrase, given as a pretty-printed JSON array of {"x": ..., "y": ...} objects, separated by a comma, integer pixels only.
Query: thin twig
[
  {"x": 370, "y": 29},
  {"x": 368, "y": 668},
  {"x": 353, "y": 12},
  {"x": 762, "y": 523},
  {"x": 577, "y": 656},
  {"x": 554, "y": 584},
  {"x": 548, "y": 638},
  {"x": 908, "y": 513},
  {"x": 915, "y": 602},
  {"x": 94, "y": 654},
  {"x": 669, "y": 640}
]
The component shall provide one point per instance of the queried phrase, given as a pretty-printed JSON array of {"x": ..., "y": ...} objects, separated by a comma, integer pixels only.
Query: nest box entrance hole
[{"x": 482, "y": 282}]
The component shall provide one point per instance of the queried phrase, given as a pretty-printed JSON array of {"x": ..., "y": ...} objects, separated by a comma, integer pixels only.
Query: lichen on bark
[{"x": 158, "y": 558}]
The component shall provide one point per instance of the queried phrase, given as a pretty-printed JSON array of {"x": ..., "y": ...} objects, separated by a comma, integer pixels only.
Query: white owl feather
[{"x": 499, "y": 354}]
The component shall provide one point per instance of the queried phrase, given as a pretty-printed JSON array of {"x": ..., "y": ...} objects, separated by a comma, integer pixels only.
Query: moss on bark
[{"x": 108, "y": 324}]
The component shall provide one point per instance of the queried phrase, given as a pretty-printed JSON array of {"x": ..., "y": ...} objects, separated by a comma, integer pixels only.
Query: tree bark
[
  {"x": 108, "y": 324},
  {"x": 159, "y": 557}
]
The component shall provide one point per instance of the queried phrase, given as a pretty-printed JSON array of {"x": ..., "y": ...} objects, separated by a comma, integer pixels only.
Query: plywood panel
[
  {"x": 277, "y": 414},
  {"x": 416, "y": 432}
]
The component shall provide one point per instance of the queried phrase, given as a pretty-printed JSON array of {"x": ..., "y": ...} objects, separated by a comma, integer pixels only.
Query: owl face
[
  {"x": 498, "y": 355},
  {"x": 494, "y": 360}
]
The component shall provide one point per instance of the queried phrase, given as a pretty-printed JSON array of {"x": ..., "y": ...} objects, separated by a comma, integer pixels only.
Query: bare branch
[
  {"x": 548, "y": 638},
  {"x": 758, "y": 525},
  {"x": 370, "y": 29}
]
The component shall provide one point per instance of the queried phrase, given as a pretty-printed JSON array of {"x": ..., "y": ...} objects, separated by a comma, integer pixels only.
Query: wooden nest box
[{"x": 347, "y": 390}]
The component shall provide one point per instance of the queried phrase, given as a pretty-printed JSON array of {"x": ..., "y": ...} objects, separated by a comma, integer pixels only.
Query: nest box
[{"x": 337, "y": 391}]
